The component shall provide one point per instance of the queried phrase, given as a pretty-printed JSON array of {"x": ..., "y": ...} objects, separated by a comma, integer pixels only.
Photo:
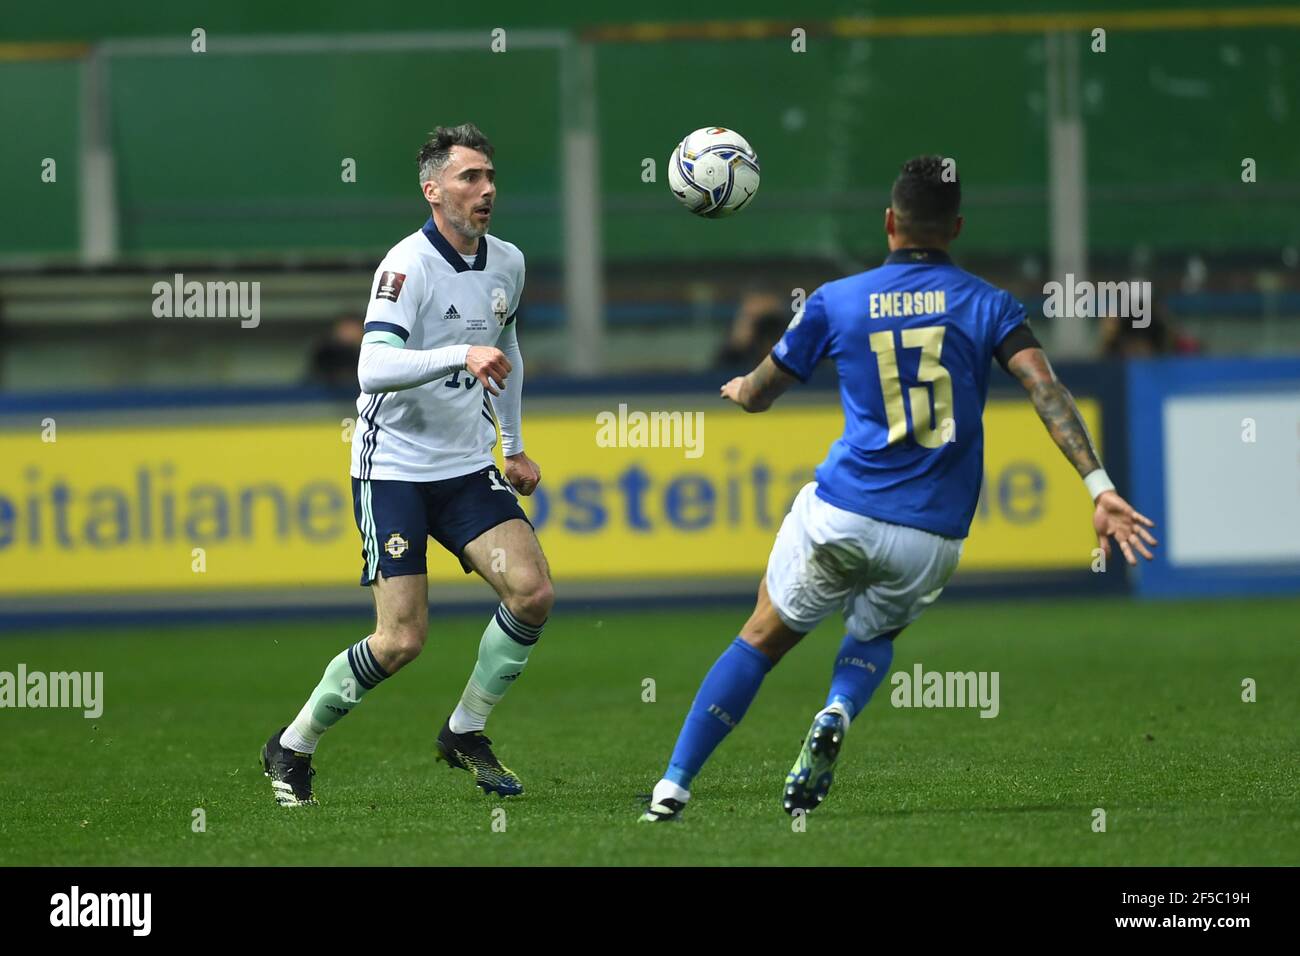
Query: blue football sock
[
  {"x": 860, "y": 666},
  {"x": 721, "y": 701}
]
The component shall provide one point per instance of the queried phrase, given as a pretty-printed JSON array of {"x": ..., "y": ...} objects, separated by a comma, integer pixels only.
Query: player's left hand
[
  {"x": 522, "y": 473},
  {"x": 1116, "y": 518}
]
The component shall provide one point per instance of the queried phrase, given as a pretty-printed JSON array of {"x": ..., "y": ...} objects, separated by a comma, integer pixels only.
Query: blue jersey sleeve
[{"x": 807, "y": 341}]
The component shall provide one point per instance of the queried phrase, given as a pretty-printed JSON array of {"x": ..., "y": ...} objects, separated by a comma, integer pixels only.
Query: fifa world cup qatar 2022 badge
[{"x": 390, "y": 286}]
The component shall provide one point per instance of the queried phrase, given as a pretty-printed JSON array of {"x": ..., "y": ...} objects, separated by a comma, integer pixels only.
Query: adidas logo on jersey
[{"x": 451, "y": 313}]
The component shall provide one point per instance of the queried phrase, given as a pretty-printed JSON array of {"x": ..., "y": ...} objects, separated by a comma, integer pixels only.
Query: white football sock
[
  {"x": 345, "y": 681},
  {"x": 502, "y": 654},
  {"x": 463, "y": 720},
  {"x": 667, "y": 790},
  {"x": 838, "y": 708}
]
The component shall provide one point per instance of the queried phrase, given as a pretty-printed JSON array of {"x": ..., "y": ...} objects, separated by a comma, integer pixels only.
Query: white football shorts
[{"x": 881, "y": 575}]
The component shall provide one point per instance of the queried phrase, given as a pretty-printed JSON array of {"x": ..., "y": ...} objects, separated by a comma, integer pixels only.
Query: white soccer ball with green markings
[{"x": 714, "y": 172}]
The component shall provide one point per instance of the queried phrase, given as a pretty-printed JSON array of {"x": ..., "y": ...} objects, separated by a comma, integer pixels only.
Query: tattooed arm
[
  {"x": 1113, "y": 516},
  {"x": 757, "y": 391},
  {"x": 1055, "y": 406}
]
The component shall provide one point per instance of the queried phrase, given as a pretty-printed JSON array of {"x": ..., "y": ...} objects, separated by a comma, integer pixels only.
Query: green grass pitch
[{"x": 1135, "y": 708}]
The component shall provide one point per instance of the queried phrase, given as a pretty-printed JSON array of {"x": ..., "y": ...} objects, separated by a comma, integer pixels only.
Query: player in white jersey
[{"x": 439, "y": 369}]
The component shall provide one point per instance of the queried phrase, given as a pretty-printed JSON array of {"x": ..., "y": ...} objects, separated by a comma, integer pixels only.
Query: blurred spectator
[
  {"x": 333, "y": 361},
  {"x": 1121, "y": 339},
  {"x": 760, "y": 320}
]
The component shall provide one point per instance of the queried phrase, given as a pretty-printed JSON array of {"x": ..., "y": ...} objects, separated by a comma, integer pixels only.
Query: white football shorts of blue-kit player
[{"x": 440, "y": 368}]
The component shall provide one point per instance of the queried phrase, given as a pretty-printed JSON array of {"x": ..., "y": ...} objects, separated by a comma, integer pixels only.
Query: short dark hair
[
  {"x": 436, "y": 152},
  {"x": 926, "y": 197}
]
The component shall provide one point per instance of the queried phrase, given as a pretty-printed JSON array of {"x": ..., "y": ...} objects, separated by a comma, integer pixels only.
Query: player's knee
[
  {"x": 767, "y": 633},
  {"x": 403, "y": 642},
  {"x": 532, "y": 603},
  {"x": 772, "y": 646}
]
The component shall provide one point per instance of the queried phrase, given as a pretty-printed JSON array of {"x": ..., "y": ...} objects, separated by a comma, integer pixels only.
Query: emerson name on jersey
[{"x": 440, "y": 368}]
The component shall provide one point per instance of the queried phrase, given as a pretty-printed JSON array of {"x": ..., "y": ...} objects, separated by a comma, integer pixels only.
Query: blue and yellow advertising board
[{"x": 124, "y": 508}]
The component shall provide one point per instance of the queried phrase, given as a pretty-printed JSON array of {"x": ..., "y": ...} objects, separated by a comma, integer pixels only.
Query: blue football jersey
[{"x": 913, "y": 341}]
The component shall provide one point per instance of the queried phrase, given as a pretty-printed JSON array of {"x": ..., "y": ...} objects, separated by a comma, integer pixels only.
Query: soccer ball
[{"x": 713, "y": 172}]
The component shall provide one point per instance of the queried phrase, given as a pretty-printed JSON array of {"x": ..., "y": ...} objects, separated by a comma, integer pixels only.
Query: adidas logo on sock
[{"x": 451, "y": 313}]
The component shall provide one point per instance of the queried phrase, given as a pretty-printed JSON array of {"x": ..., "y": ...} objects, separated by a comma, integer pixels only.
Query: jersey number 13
[{"x": 929, "y": 430}]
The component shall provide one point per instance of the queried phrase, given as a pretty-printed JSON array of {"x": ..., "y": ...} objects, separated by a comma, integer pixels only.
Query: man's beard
[{"x": 466, "y": 226}]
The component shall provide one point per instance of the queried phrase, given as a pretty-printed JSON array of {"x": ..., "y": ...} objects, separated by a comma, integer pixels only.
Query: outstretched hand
[{"x": 1115, "y": 518}]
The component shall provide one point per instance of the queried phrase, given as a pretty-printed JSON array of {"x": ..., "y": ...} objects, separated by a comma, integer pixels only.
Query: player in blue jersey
[{"x": 880, "y": 530}]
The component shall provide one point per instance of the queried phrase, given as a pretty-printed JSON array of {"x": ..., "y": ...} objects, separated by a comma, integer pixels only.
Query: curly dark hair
[
  {"x": 436, "y": 152},
  {"x": 925, "y": 203}
]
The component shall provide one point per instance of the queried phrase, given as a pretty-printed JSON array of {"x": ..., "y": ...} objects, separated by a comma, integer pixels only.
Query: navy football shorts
[{"x": 397, "y": 518}]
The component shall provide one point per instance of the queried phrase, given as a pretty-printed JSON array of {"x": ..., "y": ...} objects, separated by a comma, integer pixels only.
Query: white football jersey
[{"x": 426, "y": 295}]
